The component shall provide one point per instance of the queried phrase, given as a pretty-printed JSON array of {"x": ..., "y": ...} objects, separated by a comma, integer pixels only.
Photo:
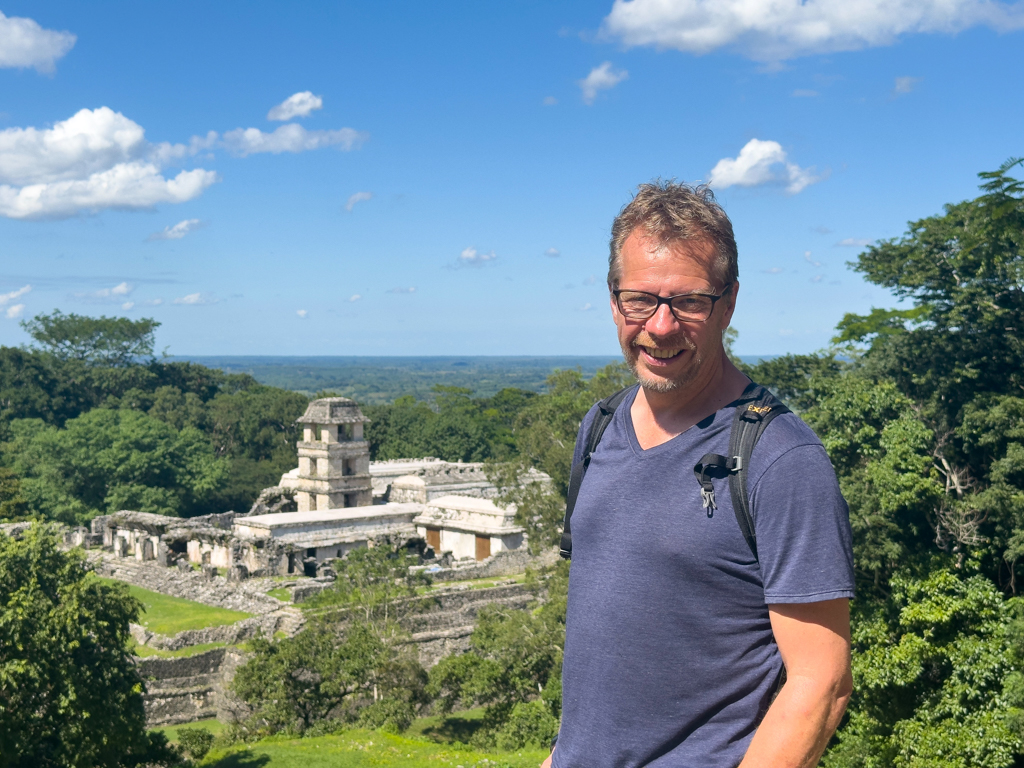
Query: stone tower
[{"x": 334, "y": 459}]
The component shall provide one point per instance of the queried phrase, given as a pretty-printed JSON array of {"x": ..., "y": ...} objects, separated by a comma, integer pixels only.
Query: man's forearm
[{"x": 799, "y": 724}]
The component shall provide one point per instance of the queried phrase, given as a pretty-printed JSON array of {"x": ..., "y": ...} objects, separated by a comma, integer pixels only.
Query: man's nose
[{"x": 662, "y": 322}]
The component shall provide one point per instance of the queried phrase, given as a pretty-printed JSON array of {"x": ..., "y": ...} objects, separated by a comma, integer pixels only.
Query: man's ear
[
  {"x": 730, "y": 307},
  {"x": 614, "y": 306}
]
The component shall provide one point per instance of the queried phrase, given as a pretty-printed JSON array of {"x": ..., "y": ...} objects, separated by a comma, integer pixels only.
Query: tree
[
  {"x": 352, "y": 663},
  {"x": 104, "y": 341},
  {"x": 513, "y": 667},
  {"x": 69, "y": 690}
]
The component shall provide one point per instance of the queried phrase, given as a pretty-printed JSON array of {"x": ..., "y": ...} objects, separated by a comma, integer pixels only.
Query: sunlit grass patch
[{"x": 166, "y": 615}]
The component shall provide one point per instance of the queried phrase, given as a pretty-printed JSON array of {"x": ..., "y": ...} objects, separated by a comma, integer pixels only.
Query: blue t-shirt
[{"x": 669, "y": 657}]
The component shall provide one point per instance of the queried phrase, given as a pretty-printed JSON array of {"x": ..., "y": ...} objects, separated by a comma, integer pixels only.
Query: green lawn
[
  {"x": 168, "y": 615},
  {"x": 144, "y": 651},
  {"x": 363, "y": 749},
  {"x": 171, "y": 731},
  {"x": 281, "y": 593}
]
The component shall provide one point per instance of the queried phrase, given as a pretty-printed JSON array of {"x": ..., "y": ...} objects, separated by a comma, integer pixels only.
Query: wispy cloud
[
  {"x": 550, "y": 101},
  {"x": 115, "y": 294},
  {"x": 775, "y": 32},
  {"x": 176, "y": 231},
  {"x": 290, "y": 138},
  {"x": 23, "y": 43},
  {"x": 296, "y": 105},
  {"x": 7, "y": 298},
  {"x": 301, "y": 312},
  {"x": 195, "y": 299},
  {"x": 410, "y": 289},
  {"x": 474, "y": 258},
  {"x": 354, "y": 297},
  {"x": 128, "y": 305},
  {"x": 773, "y": 271},
  {"x": 554, "y": 253},
  {"x": 761, "y": 162},
  {"x": 810, "y": 260},
  {"x": 904, "y": 85},
  {"x": 586, "y": 307},
  {"x": 601, "y": 78},
  {"x": 590, "y": 279},
  {"x": 358, "y": 197},
  {"x": 853, "y": 242},
  {"x": 15, "y": 311},
  {"x": 817, "y": 278}
]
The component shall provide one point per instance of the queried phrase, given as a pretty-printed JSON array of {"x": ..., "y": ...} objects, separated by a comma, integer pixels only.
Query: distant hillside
[{"x": 377, "y": 380}]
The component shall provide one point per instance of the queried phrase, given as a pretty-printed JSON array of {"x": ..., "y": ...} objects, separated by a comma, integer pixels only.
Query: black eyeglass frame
[{"x": 668, "y": 300}]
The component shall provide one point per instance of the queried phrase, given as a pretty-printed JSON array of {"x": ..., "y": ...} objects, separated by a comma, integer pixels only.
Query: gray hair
[{"x": 673, "y": 212}]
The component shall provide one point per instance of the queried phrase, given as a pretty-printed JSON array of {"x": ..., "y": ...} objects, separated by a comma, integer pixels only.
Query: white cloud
[
  {"x": 127, "y": 305},
  {"x": 116, "y": 294},
  {"x": 550, "y": 101},
  {"x": 411, "y": 289},
  {"x": 177, "y": 231},
  {"x": 95, "y": 159},
  {"x": 296, "y": 105},
  {"x": 126, "y": 186},
  {"x": 903, "y": 85},
  {"x": 354, "y": 297},
  {"x": 784, "y": 29},
  {"x": 15, "y": 311},
  {"x": 853, "y": 242},
  {"x": 773, "y": 271},
  {"x": 301, "y": 312},
  {"x": 554, "y": 253},
  {"x": 817, "y": 278},
  {"x": 289, "y": 138},
  {"x": 761, "y": 162},
  {"x": 809, "y": 260},
  {"x": 803, "y": 93},
  {"x": 195, "y": 298},
  {"x": 473, "y": 257},
  {"x": 7, "y": 298},
  {"x": 358, "y": 197},
  {"x": 586, "y": 307},
  {"x": 23, "y": 43},
  {"x": 601, "y": 79}
]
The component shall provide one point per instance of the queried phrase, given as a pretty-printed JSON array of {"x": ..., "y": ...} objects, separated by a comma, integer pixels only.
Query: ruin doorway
[
  {"x": 434, "y": 539},
  {"x": 483, "y": 547}
]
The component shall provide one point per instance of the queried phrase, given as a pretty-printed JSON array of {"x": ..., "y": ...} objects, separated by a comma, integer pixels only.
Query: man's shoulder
[{"x": 784, "y": 434}]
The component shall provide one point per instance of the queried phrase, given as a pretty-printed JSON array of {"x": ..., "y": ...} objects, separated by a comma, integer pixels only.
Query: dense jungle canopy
[{"x": 921, "y": 408}]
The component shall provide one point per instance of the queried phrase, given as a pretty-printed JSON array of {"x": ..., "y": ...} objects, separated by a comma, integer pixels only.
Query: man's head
[
  {"x": 671, "y": 213},
  {"x": 673, "y": 240}
]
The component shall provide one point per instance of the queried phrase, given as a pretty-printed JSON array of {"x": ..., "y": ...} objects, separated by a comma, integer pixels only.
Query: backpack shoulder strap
[
  {"x": 603, "y": 417},
  {"x": 749, "y": 423}
]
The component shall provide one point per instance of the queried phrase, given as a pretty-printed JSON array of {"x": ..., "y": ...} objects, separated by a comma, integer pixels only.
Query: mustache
[{"x": 644, "y": 339}]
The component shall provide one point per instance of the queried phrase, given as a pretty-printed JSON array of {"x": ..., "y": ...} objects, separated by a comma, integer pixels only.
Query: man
[{"x": 677, "y": 635}]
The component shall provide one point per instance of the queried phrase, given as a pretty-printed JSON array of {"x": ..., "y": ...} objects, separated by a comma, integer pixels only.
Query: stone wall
[{"x": 192, "y": 688}]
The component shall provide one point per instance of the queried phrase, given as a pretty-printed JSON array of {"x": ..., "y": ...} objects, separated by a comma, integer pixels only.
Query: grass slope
[
  {"x": 363, "y": 749},
  {"x": 168, "y": 615}
]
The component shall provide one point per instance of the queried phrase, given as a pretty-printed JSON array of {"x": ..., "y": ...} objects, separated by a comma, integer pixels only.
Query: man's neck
[{"x": 660, "y": 416}]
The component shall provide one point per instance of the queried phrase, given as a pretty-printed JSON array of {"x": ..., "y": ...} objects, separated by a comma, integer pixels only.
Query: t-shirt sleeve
[{"x": 804, "y": 542}]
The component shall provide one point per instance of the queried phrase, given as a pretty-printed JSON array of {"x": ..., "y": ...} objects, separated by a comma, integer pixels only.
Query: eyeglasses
[{"x": 686, "y": 307}]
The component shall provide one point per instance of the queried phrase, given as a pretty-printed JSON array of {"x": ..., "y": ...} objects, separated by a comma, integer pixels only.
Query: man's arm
[{"x": 814, "y": 639}]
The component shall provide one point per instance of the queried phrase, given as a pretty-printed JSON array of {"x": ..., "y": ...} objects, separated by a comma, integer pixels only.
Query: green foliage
[
  {"x": 346, "y": 666},
  {"x": 515, "y": 659},
  {"x": 13, "y": 506},
  {"x": 796, "y": 379},
  {"x": 196, "y": 742},
  {"x": 106, "y": 341},
  {"x": 69, "y": 692},
  {"x": 106, "y": 460},
  {"x": 930, "y": 665}
]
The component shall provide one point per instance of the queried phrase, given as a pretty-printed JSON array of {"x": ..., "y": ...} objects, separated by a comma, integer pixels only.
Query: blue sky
[{"x": 443, "y": 176}]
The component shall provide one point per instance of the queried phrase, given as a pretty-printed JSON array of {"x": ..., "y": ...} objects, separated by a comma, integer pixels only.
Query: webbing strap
[
  {"x": 749, "y": 423},
  {"x": 606, "y": 409}
]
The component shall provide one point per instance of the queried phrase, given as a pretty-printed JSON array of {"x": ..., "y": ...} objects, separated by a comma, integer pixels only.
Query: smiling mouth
[{"x": 662, "y": 354}]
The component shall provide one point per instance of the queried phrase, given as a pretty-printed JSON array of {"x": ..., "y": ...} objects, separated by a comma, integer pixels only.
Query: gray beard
[{"x": 632, "y": 354}]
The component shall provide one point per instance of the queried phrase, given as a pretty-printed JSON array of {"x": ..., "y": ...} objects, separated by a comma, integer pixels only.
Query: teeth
[{"x": 662, "y": 354}]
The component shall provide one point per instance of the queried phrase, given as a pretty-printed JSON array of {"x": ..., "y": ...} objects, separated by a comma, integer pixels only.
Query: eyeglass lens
[{"x": 638, "y": 306}]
